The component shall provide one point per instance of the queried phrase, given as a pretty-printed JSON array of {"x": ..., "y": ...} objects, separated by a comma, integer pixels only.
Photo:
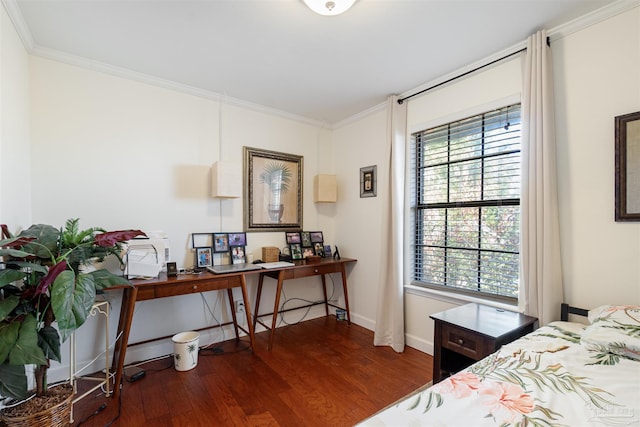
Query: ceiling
[{"x": 278, "y": 54}]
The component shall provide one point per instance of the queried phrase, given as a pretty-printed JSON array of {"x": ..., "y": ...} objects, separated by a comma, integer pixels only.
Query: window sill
[{"x": 456, "y": 298}]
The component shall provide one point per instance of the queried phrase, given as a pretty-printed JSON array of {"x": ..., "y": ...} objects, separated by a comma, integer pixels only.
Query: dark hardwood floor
[{"x": 321, "y": 372}]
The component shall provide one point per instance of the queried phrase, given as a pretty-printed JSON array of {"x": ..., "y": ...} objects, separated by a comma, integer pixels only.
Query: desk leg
[
  {"x": 276, "y": 306},
  {"x": 259, "y": 294},
  {"x": 346, "y": 292},
  {"x": 129, "y": 295},
  {"x": 233, "y": 312},
  {"x": 247, "y": 311},
  {"x": 324, "y": 290}
]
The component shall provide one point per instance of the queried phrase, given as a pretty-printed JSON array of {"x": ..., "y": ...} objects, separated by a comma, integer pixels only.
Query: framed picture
[
  {"x": 316, "y": 237},
  {"x": 627, "y": 175},
  {"x": 201, "y": 240},
  {"x": 318, "y": 249},
  {"x": 292, "y": 237},
  {"x": 272, "y": 190},
  {"x": 307, "y": 252},
  {"x": 220, "y": 242},
  {"x": 238, "y": 255},
  {"x": 296, "y": 251},
  {"x": 327, "y": 251},
  {"x": 203, "y": 257},
  {"x": 368, "y": 183},
  {"x": 237, "y": 239},
  {"x": 305, "y": 239}
]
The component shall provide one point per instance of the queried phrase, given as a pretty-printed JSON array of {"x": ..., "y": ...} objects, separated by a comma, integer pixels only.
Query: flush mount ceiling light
[{"x": 329, "y": 7}]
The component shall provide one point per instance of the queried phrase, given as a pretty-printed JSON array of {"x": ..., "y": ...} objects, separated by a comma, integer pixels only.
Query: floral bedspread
[{"x": 547, "y": 378}]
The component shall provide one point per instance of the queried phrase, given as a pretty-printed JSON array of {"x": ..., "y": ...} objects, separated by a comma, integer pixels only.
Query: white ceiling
[{"x": 279, "y": 54}]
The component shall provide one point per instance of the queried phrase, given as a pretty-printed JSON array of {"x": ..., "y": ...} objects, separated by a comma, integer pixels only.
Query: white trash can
[{"x": 185, "y": 350}]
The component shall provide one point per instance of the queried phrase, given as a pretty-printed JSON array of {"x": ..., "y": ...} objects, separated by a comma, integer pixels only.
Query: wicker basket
[
  {"x": 56, "y": 416},
  {"x": 270, "y": 254}
]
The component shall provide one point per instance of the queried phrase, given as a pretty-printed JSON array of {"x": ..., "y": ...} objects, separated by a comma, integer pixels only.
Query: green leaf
[
  {"x": 71, "y": 299},
  {"x": 7, "y": 305},
  {"x": 8, "y": 337},
  {"x": 49, "y": 342},
  {"x": 26, "y": 350},
  {"x": 8, "y": 275},
  {"x": 15, "y": 253},
  {"x": 105, "y": 279},
  {"x": 13, "y": 381}
]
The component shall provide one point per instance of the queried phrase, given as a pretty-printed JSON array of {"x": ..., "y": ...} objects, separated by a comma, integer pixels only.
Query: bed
[{"x": 562, "y": 374}]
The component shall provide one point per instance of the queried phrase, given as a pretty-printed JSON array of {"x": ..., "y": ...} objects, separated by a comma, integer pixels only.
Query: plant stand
[{"x": 99, "y": 307}]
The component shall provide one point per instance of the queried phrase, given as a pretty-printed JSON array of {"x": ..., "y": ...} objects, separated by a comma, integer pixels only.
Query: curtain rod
[{"x": 401, "y": 100}]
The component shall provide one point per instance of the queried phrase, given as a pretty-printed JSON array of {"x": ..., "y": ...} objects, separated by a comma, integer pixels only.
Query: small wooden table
[
  {"x": 466, "y": 334},
  {"x": 162, "y": 287},
  {"x": 302, "y": 269}
]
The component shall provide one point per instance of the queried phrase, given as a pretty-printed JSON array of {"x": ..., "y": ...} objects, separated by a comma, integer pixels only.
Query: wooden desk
[
  {"x": 162, "y": 287},
  {"x": 302, "y": 269}
]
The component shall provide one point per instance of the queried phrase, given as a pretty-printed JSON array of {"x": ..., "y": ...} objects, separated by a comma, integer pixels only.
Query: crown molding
[
  {"x": 591, "y": 18},
  {"x": 15, "y": 15}
]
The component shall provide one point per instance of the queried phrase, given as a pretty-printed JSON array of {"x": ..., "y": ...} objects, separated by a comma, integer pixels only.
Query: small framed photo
[
  {"x": 316, "y": 237},
  {"x": 292, "y": 237},
  {"x": 305, "y": 238},
  {"x": 237, "y": 239},
  {"x": 238, "y": 255},
  {"x": 296, "y": 251},
  {"x": 327, "y": 251},
  {"x": 220, "y": 242},
  {"x": 368, "y": 183},
  {"x": 306, "y": 252},
  {"x": 319, "y": 249},
  {"x": 203, "y": 257}
]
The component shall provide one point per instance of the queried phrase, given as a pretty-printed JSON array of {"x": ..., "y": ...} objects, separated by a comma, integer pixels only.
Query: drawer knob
[
  {"x": 315, "y": 271},
  {"x": 460, "y": 341},
  {"x": 195, "y": 287}
]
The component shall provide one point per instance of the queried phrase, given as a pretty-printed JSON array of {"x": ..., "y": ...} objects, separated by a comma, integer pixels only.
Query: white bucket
[{"x": 185, "y": 350}]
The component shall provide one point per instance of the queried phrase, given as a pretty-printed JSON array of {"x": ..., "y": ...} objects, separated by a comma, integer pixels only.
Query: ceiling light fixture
[{"x": 329, "y": 7}]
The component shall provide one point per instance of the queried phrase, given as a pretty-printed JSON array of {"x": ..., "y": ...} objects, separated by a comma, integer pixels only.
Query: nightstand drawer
[{"x": 466, "y": 342}]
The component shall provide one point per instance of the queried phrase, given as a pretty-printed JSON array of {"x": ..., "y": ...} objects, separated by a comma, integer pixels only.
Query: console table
[
  {"x": 301, "y": 269},
  {"x": 162, "y": 287}
]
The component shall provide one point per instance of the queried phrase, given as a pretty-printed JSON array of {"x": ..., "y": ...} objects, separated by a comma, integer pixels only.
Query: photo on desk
[
  {"x": 238, "y": 255},
  {"x": 292, "y": 237},
  {"x": 237, "y": 239},
  {"x": 220, "y": 242},
  {"x": 327, "y": 251},
  {"x": 319, "y": 249},
  {"x": 296, "y": 251},
  {"x": 305, "y": 239},
  {"x": 307, "y": 252},
  {"x": 203, "y": 257},
  {"x": 316, "y": 237}
]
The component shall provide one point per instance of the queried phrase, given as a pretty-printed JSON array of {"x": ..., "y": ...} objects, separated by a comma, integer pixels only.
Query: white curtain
[
  {"x": 389, "y": 328},
  {"x": 541, "y": 270}
]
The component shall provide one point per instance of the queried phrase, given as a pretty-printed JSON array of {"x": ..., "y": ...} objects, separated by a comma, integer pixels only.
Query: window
[{"x": 467, "y": 204}]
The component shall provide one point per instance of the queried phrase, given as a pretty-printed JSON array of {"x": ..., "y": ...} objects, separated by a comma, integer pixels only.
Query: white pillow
[{"x": 614, "y": 328}]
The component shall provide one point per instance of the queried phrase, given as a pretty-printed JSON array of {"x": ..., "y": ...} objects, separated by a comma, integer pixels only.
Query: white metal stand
[{"x": 99, "y": 307}]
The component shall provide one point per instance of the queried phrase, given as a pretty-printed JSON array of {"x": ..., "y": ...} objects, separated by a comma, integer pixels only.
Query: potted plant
[
  {"x": 49, "y": 284},
  {"x": 276, "y": 176}
]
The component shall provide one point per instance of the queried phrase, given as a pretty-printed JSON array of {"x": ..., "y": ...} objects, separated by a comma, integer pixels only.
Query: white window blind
[{"x": 467, "y": 204}]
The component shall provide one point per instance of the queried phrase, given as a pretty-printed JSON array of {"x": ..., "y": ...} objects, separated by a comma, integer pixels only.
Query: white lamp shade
[
  {"x": 226, "y": 180},
  {"x": 329, "y": 7},
  {"x": 325, "y": 189}
]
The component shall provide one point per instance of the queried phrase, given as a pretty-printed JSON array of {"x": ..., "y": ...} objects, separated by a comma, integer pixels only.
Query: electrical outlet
[{"x": 239, "y": 306}]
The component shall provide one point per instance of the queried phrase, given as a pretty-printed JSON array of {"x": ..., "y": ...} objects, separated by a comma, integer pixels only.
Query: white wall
[
  {"x": 597, "y": 77},
  {"x": 119, "y": 154},
  {"x": 15, "y": 180}
]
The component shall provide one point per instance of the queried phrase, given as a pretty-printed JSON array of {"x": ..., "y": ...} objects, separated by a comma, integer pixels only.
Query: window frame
[{"x": 416, "y": 207}]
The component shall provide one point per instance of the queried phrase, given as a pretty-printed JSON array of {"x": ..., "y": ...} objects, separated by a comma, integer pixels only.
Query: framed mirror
[{"x": 627, "y": 152}]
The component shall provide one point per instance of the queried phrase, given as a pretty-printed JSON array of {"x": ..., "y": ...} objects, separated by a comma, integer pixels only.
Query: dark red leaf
[
  {"x": 19, "y": 242},
  {"x": 110, "y": 238},
  {"x": 53, "y": 272}
]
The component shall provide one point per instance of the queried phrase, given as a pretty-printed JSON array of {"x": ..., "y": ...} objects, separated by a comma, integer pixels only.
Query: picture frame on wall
[
  {"x": 220, "y": 242},
  {"x": 627, "y": 167},
  {"x": 272, "y": 190},
  {"x": 238, "y": 254},
  {"x": 368, "y": 184},
  {"x": 204, "y": 257}
]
